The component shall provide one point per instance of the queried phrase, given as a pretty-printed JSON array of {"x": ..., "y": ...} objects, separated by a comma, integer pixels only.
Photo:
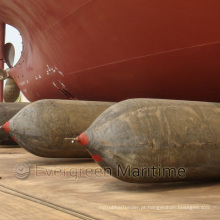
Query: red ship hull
[{"x": 115, "y": 50}]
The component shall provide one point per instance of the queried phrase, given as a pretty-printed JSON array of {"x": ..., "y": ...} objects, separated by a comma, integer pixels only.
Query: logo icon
[{"x": 21, "y": 171}]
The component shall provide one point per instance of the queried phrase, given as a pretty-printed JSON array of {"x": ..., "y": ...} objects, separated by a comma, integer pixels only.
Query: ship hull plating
[{"x": 115, "y": 50}]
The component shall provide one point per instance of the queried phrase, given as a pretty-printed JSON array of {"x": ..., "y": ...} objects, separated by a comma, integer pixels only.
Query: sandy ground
[{"x": 78, "y": 189}]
